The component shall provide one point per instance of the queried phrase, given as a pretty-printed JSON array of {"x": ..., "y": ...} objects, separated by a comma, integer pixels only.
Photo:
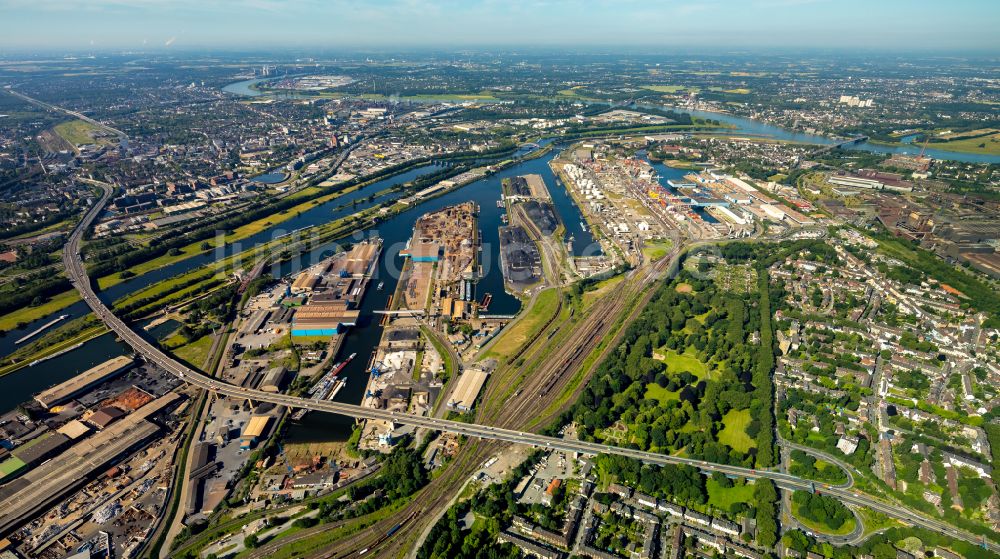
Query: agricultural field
[{"x": 735, "y": 91}]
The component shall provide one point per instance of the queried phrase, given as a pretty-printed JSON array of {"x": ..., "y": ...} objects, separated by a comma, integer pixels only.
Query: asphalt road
[
  {"x": 122, "y": 137},
  {"x": 78, "y": 275}
]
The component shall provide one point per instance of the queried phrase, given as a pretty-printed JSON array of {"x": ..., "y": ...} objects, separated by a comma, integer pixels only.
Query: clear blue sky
[{"x": 936, "y": 25}]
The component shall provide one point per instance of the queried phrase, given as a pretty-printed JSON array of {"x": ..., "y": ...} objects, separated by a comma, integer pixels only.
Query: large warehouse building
[{"x": 85, "y": 380}]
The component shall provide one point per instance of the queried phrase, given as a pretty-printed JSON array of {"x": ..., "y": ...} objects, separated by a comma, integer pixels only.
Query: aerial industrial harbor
[{"x": 607, "y": 301}]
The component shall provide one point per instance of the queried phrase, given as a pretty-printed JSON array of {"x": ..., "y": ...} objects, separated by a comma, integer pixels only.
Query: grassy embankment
[
  {"x": 238, "y": 234},
  {"x": 984, "y": 141},
  {"x": 984, "y": 145},
  {"x": 512, "y": 338},
  {"x": 10, "y": 321},
  {"x": 844, "y": 529}
]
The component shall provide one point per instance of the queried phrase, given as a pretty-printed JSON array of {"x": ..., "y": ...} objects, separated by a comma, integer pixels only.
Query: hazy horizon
[{"x": 892, "y": 25}]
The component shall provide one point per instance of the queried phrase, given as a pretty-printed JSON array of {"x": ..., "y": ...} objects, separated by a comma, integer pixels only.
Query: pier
[{"x": 41, "y": 329}]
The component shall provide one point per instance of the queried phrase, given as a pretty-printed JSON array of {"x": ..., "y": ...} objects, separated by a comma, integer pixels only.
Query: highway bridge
[
  {"x": 846, "y": 143},
  {"x": 78, "y": 275},
  {"x": 401, "y": 312}
]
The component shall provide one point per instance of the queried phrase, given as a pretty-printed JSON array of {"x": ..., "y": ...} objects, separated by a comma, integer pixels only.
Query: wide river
[{"x": 742, "y": 125}]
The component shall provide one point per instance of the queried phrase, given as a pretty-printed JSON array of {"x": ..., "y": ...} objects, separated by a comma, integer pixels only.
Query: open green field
[
  {"x": 724, "y": 497},
  {"x": 988, "y": 145},
  {"x": 656, "y": 392},
  {"x": 196, "y": 352},
  {"x": 9, "y": 321},
  {"x": 64, "y": 224},
  {"x": 77, "y": 132},
  {"x": 11, "y": 466},
  {"x": 734, "y": 434},
  {"x": 656, "y": 250},
  {"x": 669, "y": 88},
  {"x": 515, "y": 335},
  {"x": 737, "y": 90},
  {"x": 602, "y": 289},
  {"x": 309, "y": 340},
  {"x": 684, "y": 165},
  {"x": 678, "y": 363}
]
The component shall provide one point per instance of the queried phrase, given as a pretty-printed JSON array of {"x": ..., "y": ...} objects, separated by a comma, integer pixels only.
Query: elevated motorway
[
  {"x": 122, "y": 137},
  {"x": 860, "y": 139},
  {"x": 78, "y": 275}
]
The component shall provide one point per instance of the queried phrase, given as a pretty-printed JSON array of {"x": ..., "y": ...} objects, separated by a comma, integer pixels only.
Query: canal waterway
[
  {"x": 317, "y": 215},
  {"x": 666, "y": 173},
  {"x": 22, "y": 384},
  {"x": 363, "y": 338}
]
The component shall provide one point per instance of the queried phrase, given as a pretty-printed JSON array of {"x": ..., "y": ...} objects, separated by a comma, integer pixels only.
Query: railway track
[{"x": 551, "y": 375}]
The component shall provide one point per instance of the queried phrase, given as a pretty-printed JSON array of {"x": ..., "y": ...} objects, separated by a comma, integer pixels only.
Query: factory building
[
  {"x": 274, "y": 379},
  {"x": 305, "y": 282},
  {"x": 323, "y": 318},
  {"x": 773, "y": 212},
  {"x": 423, "y": 252},
  {"x": 335, "y": 289},
  {"x": 82, "y": 382},
  {"x": 105, "y": 416},
  {"x": 467, "y": 390},
  {"x": 74, "y": 429},
  {"x": 41, "y": 449},
  {"x": 55, "y": 478},
  {"x": 254, "y": 431},
  {"x": 857, "y": 182}
]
